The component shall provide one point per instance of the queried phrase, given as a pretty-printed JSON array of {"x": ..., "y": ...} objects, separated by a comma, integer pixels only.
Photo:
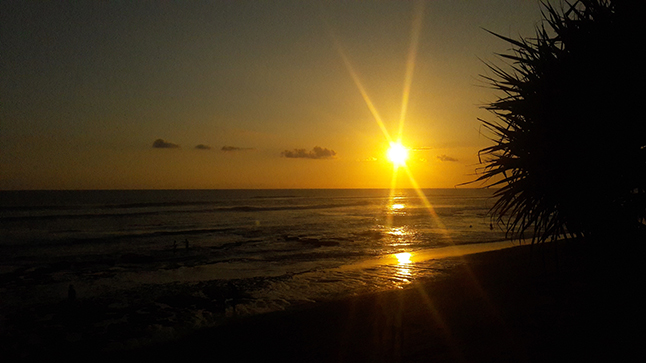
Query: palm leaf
[{"x": 548, "y": 147}]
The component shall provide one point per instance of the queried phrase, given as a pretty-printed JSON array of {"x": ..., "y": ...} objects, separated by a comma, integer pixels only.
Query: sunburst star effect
[{"x": 397, "y": 153}]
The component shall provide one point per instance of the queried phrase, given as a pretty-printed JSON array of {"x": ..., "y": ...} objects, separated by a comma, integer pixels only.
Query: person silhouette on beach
[
  {"x": 174, "y": 246},
  {"x": 186, "y": 243}
]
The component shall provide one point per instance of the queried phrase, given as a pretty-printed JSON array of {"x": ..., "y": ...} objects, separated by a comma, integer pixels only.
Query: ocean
[{"x": 232, "y": 252}]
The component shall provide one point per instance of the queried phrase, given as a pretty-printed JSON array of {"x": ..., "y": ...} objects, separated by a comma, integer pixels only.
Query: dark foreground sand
[{"x": 513, "y": 305}]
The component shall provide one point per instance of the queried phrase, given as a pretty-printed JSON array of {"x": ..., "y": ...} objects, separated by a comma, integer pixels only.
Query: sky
[{"x": 247, "y": 94}]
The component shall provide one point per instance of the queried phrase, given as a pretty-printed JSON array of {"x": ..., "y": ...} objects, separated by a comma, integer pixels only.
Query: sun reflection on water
[
  {"x": 403, "y": 273},
  {"x": 403, "y": 258},
  {"x": 399, "y": 237},
  {"x": 397, "y": 207},
  {"x": 399, "y": 231}
]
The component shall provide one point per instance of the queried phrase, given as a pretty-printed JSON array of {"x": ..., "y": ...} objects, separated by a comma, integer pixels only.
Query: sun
[{"x": 397, "y": 153}]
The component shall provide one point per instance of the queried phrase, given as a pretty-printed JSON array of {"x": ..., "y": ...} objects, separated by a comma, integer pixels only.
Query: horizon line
[{"x": 203, "y": 189}]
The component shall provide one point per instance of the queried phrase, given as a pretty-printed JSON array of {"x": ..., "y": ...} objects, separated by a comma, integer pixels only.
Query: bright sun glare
[
  {"x": 397, "y": 154},
  {"x": 403, "y": 258}
]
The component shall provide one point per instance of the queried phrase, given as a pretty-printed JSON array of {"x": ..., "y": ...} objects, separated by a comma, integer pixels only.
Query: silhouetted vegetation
[{"x": 569, "y": 152}]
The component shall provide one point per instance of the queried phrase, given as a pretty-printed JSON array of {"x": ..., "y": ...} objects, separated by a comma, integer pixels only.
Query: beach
[
  {"x": 316, "y": 275},
  {"x": 511, "y": 305},
  {"x": 515, "y": 305}
]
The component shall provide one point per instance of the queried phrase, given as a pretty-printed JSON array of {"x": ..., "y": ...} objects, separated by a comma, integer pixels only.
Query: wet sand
[
  {"x": 519, "y": 304},
  {"x": 511, "y": 305}
]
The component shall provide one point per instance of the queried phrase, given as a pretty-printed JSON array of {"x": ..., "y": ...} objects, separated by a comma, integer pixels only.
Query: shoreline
[
  {"x": 509, "y": 305},
  {"x": 516, "y": 304}
]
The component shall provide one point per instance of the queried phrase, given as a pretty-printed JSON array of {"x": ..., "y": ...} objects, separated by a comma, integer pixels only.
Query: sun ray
[
  {"x": 428, "y": 206},
  {"x": 357, "y": 81},
  {"x": 410, "y": 64},
  {"x": 391, "y": 197},
  {"x": 363, "y": 92}
]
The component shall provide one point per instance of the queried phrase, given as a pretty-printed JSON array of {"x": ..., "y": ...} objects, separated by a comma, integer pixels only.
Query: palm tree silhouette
[{"x": 569, "y": 142}]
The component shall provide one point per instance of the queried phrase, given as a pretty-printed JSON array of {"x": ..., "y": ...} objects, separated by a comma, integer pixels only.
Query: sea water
[{"x": 294, "y": 244}]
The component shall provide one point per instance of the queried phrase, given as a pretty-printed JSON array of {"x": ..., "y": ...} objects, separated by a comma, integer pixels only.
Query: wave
[
  {"x": 275, "y": 197},
  {"x": 105, "y": 206},
  {"x": 109, "y": 238},
  {"x": 224, "y": 209}
]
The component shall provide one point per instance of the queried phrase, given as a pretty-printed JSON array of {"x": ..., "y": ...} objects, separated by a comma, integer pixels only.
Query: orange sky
[{"x": 87, "y": 88}]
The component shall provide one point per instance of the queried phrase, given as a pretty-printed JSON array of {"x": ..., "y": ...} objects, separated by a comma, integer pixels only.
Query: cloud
[
  {"x": 235, "y": 148},
  {"x": 163, "y": 144},
  {"x": 316, "y": 153},
  {"x": 203, "y": 147},
  {"x": 446, "y": 158}
]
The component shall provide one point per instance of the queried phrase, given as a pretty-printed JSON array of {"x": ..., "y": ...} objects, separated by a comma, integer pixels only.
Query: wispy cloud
[
  {"x": 316, "y": 153},
  {"x": 235, "y": 148},
  {"x": 446, "y": 158},
  {"x": 163, "y": 144},
  {"x": 203, "y": 147}
]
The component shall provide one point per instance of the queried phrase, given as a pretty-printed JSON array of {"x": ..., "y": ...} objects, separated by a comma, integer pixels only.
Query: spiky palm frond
[{"x": 569, "y": 151}]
